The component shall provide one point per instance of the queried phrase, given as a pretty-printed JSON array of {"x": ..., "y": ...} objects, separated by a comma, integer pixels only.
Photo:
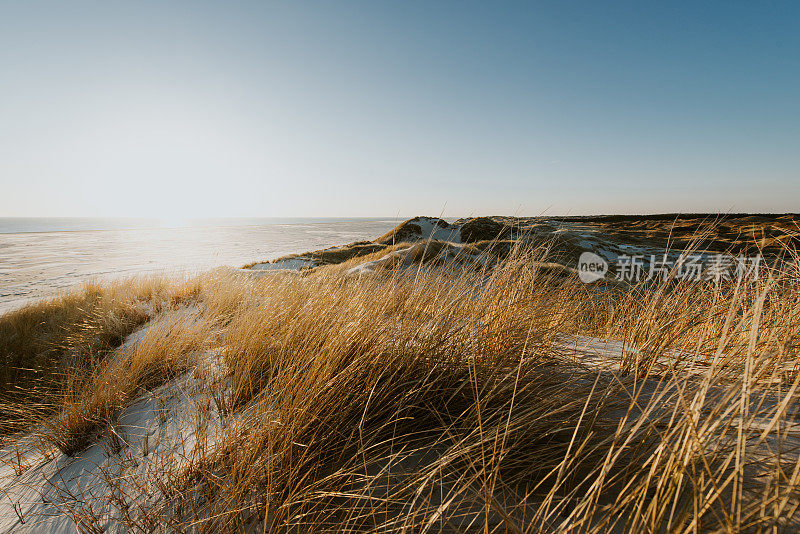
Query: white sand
[{"x": 165, "y": 430}]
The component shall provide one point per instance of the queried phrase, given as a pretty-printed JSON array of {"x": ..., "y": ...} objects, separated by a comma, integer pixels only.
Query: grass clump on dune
[
  {"x": 44, "y": 345},
  {"x": 89, "y": 403}
]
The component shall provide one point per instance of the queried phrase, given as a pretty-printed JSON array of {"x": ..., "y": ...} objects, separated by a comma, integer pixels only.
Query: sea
[{"x": 41, "y": 257}]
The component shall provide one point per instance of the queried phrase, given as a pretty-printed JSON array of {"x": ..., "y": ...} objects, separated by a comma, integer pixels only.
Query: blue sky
[{"x": 171, "y": 109}]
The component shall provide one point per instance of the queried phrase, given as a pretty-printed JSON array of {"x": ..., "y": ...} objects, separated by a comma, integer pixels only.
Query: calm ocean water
[{"x": 39, "y": 257}]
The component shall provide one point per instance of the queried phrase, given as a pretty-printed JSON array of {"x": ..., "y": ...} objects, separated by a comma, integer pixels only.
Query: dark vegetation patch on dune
[
  {"x": 333, "y": 255},
  {"x": 483, "y": 229},
  {"x": 411, "y": 230}
]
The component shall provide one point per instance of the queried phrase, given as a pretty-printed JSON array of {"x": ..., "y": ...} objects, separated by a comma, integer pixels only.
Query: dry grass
[
  {"x": 452, "y": 401},
  {"x": 428, "y": 402},
  {"x": 45, "y": 345},
  {"x": 89, "y": 403}
]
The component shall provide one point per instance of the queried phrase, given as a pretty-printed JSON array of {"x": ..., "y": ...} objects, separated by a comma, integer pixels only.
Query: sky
[{"x": 397, "y": 108}]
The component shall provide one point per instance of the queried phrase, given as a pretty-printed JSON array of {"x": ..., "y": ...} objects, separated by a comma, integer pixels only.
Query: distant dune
[{"x": 481, "y": 241}]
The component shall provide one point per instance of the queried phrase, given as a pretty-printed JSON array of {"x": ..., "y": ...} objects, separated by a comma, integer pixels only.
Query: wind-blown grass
[
  {"x": 436, "y": 399},
  {"x": 47, "y": 344}
]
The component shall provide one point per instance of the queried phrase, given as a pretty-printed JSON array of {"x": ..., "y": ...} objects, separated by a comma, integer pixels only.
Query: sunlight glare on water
[{"x": 35, "y": 262}]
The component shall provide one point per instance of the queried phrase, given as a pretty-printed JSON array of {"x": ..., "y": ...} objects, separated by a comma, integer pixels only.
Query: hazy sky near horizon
[{"x": 191, "y": 109}]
